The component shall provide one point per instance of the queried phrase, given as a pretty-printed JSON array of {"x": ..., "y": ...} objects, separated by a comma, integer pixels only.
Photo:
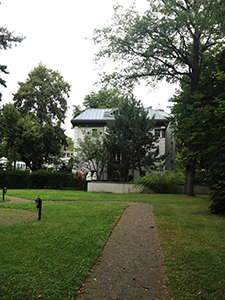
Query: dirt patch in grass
[{"x": 9, "y": 216}]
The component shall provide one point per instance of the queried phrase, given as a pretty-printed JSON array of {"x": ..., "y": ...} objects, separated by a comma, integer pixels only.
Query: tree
[
  {"x": 44, "y": 96},
  {"x": 168, "y": 41},
  {"x": 77, "y": 110},
  {"x": 106, "y": 98},
  {"x": 206, "y": 115},
  {"x": 130, "y": 138},
  {"x": 214, "y": 153},
  {"x": 10, "y": 117},
  {"x": 70, "y": 144},
  {"x": 103, "y": 99},
  {"x": 6, "y": 40},
  {"x": 30, "y": 142},
  {"x": 23, "y": 136},
  {"x": 92, "y": 154}
]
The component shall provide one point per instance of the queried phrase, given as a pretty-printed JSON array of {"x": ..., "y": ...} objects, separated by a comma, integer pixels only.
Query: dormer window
[{"x": 112, "y": 111}]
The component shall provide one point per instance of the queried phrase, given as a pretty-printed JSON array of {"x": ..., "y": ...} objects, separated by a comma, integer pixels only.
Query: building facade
[{"x": 96, "y": 118}]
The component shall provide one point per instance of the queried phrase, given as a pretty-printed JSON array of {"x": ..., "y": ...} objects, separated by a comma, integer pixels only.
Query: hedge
[{"x": 40, "y": 180}]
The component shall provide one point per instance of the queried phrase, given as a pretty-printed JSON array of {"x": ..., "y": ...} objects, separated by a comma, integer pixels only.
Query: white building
[{"x": 95, "y": 118}]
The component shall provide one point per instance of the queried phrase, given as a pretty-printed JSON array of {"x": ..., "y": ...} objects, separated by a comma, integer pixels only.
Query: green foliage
[
  {"x": 40, "y": 179},
  {"x": 202, "y": 124},
  {"x": 215, "y": 178},
  {"x": 10, "y": 117},
  {"x": 45, "y": 91},
  {"x": 44, "y": 97},
  {"x": 77, "y": 110},
  {"x": 52, "y": 180},
  {"x": 10, "y": 129},
  {"x": 130, "y": 136},
  {"x": 91, "y": 153},
  {"x": 103, "y": 99},
  {"x": 6, "y": 40},
  {"x": 164, "y": 183},
  {"x": 30, "y": 142},
  {"x": 22, "y": 135},
  {"x": 14, "y": 179},
  {"x": 167, "y": 41},
  {"x": 171, "y": 40}
]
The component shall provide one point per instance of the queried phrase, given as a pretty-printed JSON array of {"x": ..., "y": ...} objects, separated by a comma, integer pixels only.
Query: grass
[
  {"x": 6, "y": 200},
  {"x": 193, "y": 243},
  {"x": 192, "y": 240},
  {"x": 68, "y": 195},
  {"x": 49, "y": 259}
]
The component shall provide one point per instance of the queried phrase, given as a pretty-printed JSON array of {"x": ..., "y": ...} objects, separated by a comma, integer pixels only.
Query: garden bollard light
[
  {"x": 4, "y": 192},
  {"x": 38, "y": 203}
]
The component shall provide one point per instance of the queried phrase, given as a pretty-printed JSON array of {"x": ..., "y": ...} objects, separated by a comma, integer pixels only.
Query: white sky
[{"x": 59, "y": 35}]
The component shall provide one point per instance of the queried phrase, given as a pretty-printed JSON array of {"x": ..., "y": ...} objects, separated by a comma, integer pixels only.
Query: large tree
[
  {"x": 130, "y": 139},
  {"x": 6, "y": 41},
  {"x": 206, "y": 115},
  {"x": 169, "y": 41},
  {"x": 44, "y": 96}
]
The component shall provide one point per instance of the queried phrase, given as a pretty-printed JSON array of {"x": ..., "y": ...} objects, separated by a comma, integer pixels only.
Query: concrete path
[{"x": 131, "y": 265}]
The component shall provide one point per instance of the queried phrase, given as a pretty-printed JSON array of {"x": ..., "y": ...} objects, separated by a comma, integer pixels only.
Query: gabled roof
[{"x": 101, "y": 116}]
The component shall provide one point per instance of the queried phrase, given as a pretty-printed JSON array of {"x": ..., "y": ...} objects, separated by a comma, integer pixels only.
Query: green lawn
[
  {"x": 49, "y": 259},
  {"x": 192, "y": 240}
]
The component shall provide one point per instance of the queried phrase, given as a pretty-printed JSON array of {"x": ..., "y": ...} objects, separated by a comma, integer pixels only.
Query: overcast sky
[{"x": 59, "y": 35}]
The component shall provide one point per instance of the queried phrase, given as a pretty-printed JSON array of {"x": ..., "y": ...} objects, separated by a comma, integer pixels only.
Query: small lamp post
[
  {"x": 38, "y": 203},
  {"x": 4, "y": 192}
]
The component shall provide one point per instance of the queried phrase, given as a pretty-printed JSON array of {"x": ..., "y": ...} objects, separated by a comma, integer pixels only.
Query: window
[
  {"x": 94, "y": 131},
  {"x": 116, "y": 158},
  {"x": 157, "y": 132}
]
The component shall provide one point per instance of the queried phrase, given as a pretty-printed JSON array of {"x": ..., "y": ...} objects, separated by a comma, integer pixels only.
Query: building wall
[
  {"x": 166, "y": 145},
  {"x": 79, "y": 133}
]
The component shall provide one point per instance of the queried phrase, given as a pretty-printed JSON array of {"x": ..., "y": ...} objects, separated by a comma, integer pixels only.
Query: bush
[
  {"x": 40, "y": 179},
  {"x": 14, "y": 179},
  {"x": 165, "y": 183},
  {"x": 52, "y": 180},
  {"x": 215, "y": 178}
]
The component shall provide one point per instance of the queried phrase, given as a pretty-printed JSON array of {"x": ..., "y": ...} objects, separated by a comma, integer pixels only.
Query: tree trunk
[
  {"x": 190, "y": 179},
  {"x": 190, "y": 169}
]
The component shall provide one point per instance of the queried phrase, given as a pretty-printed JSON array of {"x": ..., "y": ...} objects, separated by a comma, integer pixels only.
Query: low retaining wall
[
  {"x": 124, "y": 188},
  {"x": 110, "y": 187}
]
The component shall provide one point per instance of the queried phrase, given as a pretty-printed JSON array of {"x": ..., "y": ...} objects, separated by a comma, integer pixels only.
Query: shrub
[
  {"x": 39, "y": 180},
  {"x": 53, "y": 180},
  {"x": 215, "y": 178},
  {"x": 14, "y": 179},
  {"x": 165, "y": 183}
]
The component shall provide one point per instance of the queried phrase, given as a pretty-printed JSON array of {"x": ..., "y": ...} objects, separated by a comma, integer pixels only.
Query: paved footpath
[
  {"x": 14, "y": 200},
  {"x": 131, "y": 265}
]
